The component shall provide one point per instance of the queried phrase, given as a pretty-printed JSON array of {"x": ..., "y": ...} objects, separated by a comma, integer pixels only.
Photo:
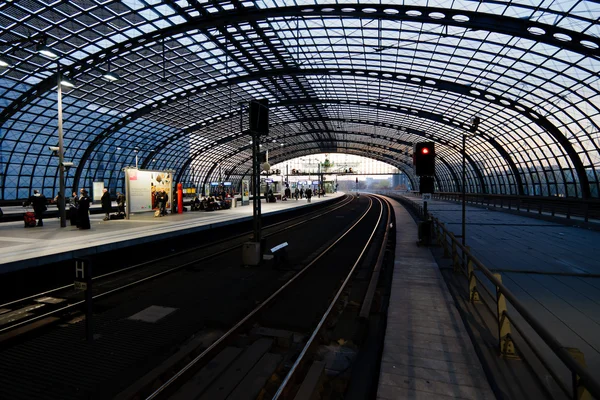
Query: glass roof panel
[{"x": 334, "y": 77}]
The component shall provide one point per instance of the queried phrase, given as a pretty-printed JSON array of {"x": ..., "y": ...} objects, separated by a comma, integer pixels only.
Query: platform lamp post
[
  {"x": 473, "y": 129},
  {"x": 61, "y": 161},
  {"x": 258, "y": 126}
]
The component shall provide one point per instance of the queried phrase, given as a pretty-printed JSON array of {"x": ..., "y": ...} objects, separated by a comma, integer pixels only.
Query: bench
[{"x": 278, "y": 254}]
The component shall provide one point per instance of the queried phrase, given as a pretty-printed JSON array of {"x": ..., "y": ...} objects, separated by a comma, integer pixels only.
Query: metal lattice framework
[{"x": 366, "y": 78}]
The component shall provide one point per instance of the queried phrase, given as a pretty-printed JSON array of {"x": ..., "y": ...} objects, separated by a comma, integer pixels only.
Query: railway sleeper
[
  {"x": 234, "y": 373},
  {"x": 313, "y": 382},
  {"x": 283, "y": 338}
]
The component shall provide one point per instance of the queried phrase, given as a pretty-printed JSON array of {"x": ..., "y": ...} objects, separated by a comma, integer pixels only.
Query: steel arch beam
[
  {"x": 476, "y": 21},
  {"x": 304, "y": 151},
  {"x": 198, "y": 153},
  {"x": 454, "y": 176},
  {"x": 192, "y": 157},
  {"x": 363, "y": 153},
  {"x": 381, "y": 106},
  {"x": 424, "y": 81},
  {"x": 405, "y": 168}
]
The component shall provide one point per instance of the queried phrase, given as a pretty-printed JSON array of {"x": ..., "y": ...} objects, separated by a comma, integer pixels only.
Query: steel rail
[
  {"x": 365, "y": 310},
  {"x": 158, "y": 274},
  {"x": 588, "y": 381},
  {"x": 321, "y": 323},
  {"x": 216, "y": 344},
  {"x": 345, "y": 200}
]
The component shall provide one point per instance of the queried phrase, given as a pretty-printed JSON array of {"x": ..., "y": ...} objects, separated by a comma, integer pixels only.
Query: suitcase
[
  {"x": 157, "y": 213},
  {"x": 29, "y": 219}
]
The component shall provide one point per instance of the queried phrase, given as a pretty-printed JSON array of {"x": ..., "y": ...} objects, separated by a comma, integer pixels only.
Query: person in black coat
[
  {"x": 165, "y": 201},
  {"x": 308, "y": 194},
  {"x": 121, "y": 202},
  {"x": 83, "y": 216},
  {"x": 59, "y": 203},
  {"x": 38, "y": 202},
  {"x": 106, "y": 204},
  {"x": 73, "y": 205},
  {"x": 161, "y": 202}
]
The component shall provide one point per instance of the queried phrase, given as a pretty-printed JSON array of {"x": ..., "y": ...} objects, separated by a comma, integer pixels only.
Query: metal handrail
[
  {"x": 585, "y": 378},
  {"x": 569, "y": 206},
  {"x": 555, "y": 199}
]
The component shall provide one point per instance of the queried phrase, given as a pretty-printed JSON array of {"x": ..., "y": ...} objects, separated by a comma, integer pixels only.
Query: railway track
[
  {"x": 64, "y": 302},
  {"x": 279, "y": 356}
]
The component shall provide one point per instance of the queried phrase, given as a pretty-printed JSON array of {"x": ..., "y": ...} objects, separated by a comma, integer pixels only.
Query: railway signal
[{"x": 424, "y": 158}]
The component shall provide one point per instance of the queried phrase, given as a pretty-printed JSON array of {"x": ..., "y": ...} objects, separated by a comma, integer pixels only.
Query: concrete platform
[
  {"x": 427, "y": 351},
  {"x": 28, "y": 247},
  {"x": 553, "y": 269}
]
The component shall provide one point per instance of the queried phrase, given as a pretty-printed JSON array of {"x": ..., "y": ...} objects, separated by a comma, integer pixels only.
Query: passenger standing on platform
[
  {"x": 308, "y": 194},
  {"x": 296, "y": 193},
  {"x": 271, "y": 197},
  {"x": 59, "y": 203},
  {"x": 121, "y": 202},
  {"x": 106, "y": 204},
  {"x": 38, "y": 202},
  {"x": 302, "y": 193},
  {"x": 160, "y": 200},
  {"x": 74, "y": 203},
  {"x": 163, "y": 206},
  {"x": 83, "y": 216}
]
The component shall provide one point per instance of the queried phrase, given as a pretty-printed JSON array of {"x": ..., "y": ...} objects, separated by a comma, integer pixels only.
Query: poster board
[
  {"x": 142, "y": 188},
  {"x": 245, "y": 192},
  {"x": 97, "y": 188}
]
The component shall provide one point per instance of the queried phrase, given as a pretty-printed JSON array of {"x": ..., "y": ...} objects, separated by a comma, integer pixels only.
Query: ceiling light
[
  {"x": 46, "y": 51},
  {"x": 111, "y": 76},
  {"x": 65, "y": 82},
  {"x": 4, "y": 62}
]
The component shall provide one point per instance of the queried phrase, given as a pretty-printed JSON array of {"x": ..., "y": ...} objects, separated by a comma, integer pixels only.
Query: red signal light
[{"x": 425, "y": 150}]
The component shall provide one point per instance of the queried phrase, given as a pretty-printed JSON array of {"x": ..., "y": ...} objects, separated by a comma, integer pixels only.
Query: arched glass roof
[{"x": 360, "y": 77}]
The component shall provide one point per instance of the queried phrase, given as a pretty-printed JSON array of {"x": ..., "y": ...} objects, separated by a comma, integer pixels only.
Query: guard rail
[
  {"x": 541, "y": 205},
  {"x": 583, "y": 384}
]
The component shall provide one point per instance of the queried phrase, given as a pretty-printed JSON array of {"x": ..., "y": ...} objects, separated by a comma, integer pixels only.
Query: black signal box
[
  {"x": 259, "y": 117},
  {"x": 424, "y": 158},
  {"x": 426, "y": 184}
]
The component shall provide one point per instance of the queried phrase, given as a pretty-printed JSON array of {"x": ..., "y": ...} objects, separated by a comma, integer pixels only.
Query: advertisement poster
[
  {"x": 97, "y": 188},
  {"x": 144, "y": 186},
  {"x": 245, "y": 192}
]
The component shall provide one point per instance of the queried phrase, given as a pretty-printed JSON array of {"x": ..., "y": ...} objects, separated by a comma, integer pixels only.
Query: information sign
[
  {"x": 426, "y": 196},
  {"x": 143, "y": 188},
  {"x": 245, "y": 192}
]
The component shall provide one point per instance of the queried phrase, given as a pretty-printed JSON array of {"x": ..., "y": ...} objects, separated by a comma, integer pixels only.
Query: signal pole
[
  {"x": 473, "y": 129},
  {"x": 464, "y": 193}
]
